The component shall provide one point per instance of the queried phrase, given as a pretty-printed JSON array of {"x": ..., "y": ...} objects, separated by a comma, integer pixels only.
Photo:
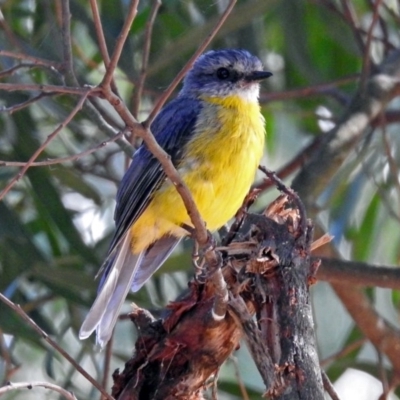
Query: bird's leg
[
  {"x": 209, "y": 249},
  {"x": 189, "y": 229},
  {"x": 198, "y": 261},
  {"x": 198, "y": 264},
  {"x": 202, "y": 272},
  {"x": 199, "y": 274}
]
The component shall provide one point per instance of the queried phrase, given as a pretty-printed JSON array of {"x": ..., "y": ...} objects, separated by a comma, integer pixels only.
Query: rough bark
[{"x": 268, "y": 271}]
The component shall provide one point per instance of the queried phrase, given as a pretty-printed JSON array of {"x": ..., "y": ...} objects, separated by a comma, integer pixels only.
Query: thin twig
[
  {"x": 380, "y": 187},
  {"x": 132, "y": 11},
  {"x": 63, "y": 159},
  {"x": 291, "y": 193},
  {"x": 145, "y": 59},
  {"x": 328, "y": 386},
  {"x": 101, "y": 40},
  {"x": 99, "y": 32},
  {"x": 13, "y": 87},
  {"x": 385, "y": 41},
  {"x": 305, "y": 154},
  {"x": 20, "y": 106},
  {"x": 91, "y": 107},
  {"x": 315, "y": 90},
  {"x": 394, "y": 169},
  {"x": 12, "y": 38},
  {"x": 30, "y": 385},
  {"x": 379, "y": 332},
  {"x": 294, "y": 164},
  {"x": 16, "y": 68},
  {"x": 367, "y": 51},
  {"x": 343, "y": 352},
  {"x": 392, "y": 12},
  {"x": 81, "y": 53},
  {"x": 163, "y": 98},
  {"x": 383, "y": 28},
  {"x": 107, "y": 364},
  {"x": 350, "y": 18},
  {"x": 68, "y": 61},
  {"x": 34, "y": 60},
  {"x": 137, "y": 93},
  {"x": 383, "y": 375},
  {"x": 44, "y": 145},
  {"x": 38, "y": 302},
  {"x": 9, "y": 369},
  {"x": 53, "y": 344},
  {"x": 109, "y": 118},
  {"x": 242, "y": 387}
]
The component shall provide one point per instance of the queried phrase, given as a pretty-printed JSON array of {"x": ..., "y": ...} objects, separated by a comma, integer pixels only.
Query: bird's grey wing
[
  {"x": 111, "y": 294},
  {"x": 152, "y": 259}
]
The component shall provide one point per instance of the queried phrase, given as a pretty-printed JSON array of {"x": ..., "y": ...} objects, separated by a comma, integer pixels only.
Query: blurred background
[{"x": 56, "y": 222}]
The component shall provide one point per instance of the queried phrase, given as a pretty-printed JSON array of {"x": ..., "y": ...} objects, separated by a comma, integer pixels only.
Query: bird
[{"x": 214, "y": 133}]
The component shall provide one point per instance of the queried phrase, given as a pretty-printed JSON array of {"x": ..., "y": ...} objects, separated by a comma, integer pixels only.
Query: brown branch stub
[
  {"x": 329, "y": 387},
  {"x": 175, "y": 357},
  {"x": 279, "y": 276},
  {"x": 358, "y": 273}
]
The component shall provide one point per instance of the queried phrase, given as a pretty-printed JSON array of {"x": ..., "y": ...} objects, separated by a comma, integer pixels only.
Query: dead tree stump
[{"x": 266, "y": 266}]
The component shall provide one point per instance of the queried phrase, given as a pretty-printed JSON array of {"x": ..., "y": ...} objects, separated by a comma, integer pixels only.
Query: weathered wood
[
  {"x": 176, "y": 357},
  {"x": 267, "y": 268},
  {"x": 280, "y": 296}
]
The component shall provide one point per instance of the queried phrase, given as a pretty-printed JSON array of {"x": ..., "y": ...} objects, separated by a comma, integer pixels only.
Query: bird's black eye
[{"x": 223, "y": 73}]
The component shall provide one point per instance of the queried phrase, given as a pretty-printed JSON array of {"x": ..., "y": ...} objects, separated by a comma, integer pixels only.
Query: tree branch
[
  {"x": 34, "y": 60},
  {"x": 63, "y": 159},
  {"x": 45, "y": 143},
  {"x": 30, "y": 385},
  {"x": 110, "y": 68},
  {"x": 138, "y": 92},
  {"x": 385, "y": 337},
  {"x": 335, "y": 270},
  {"x": 338, "y": 143},
  {"x": 53, "y": 344},
  {"x": 28, "y": 87}
]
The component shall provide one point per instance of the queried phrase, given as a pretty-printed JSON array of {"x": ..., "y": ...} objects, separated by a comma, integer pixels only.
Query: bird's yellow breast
[{"x": 218, "y": 167}]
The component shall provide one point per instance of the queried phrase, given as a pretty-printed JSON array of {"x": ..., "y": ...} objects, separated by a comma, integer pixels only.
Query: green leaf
[
  {"x": 18, "y": 251},
  {"x": 73, "y": 180},
  {"x": 363, "y": 240},
  {"x": 66, "y": 280}
]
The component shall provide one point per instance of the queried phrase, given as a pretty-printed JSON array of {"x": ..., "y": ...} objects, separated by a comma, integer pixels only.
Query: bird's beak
[{"x": 258, "y": 76}]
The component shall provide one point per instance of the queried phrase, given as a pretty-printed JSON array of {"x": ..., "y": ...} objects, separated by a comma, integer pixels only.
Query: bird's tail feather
[
  {"x": 153, "y": 258},
  {"x": 126, "y": 271},
  {"x": 112, "y": 293}
]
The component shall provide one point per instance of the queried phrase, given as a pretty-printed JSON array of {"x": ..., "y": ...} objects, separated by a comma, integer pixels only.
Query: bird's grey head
[{"x": 224, "y": 73}]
